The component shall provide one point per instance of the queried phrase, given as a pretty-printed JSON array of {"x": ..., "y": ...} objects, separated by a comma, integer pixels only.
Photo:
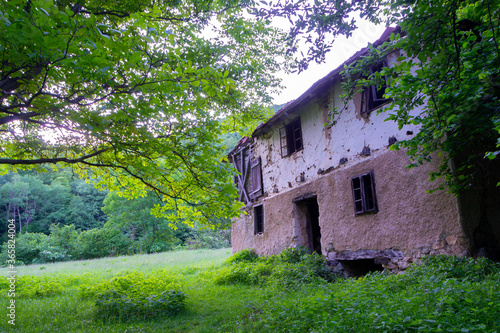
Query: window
[
  {"x": 373, "y": 96},
  {"x": 258, "y": 219},
  {"x": 291, "y": 138},
  {"x": 363, "y": 190}
]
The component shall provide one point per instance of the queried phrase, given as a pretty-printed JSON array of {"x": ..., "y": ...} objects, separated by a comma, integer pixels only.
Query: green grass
[
  {"x": 443, "y": 295},
  {"x": 105, "y": 267}
]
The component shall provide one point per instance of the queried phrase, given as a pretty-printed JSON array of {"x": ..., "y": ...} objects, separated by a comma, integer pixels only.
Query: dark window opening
[
  {"x": 291, "y": 138},
  {"x": 373, "y": 96},
  {"x": 363, "y": 190},
  {"x": 360, "y": 267},
  {"x": 258, "y": 219}
]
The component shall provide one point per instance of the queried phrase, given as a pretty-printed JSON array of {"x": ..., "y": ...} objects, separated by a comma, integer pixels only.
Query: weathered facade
[{"x": 339, "y": 189}]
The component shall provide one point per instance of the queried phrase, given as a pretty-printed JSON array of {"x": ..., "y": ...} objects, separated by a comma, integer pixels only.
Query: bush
[
  {"x": 33, "y": 287},
  {"x": 134, "y": 283},
  {"x": 98, "y": 243},
  {"x": 28, "y": 247},
  {"x": 291, "y": 268},
  {"x": 441, "y": 294},
  {"x": 452, "y": 267},
  {"x": 246, "y": 255},
  {"x": 136, "y": 295},
  {"x": 64, "y": 238},
  {"x": 125, "y": 307}
]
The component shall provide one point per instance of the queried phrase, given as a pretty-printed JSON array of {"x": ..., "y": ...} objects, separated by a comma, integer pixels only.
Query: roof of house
[{"x": 329, "y": 79}]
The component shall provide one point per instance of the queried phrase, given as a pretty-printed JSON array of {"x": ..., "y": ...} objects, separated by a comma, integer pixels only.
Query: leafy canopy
[{"x": 135, "y": 93}]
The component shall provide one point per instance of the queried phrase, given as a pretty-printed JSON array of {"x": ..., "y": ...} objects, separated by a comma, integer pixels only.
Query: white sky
[{"x": 342, "y": 49}]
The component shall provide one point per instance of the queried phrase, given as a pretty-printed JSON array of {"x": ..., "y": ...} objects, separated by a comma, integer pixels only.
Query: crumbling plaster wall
[{"x": 325, "y": 146}]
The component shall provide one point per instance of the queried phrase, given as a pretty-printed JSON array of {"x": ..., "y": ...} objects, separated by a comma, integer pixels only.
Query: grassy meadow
[{"x": 213, "y": 291}]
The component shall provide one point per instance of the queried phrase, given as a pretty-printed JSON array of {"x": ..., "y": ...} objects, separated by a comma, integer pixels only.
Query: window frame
[
  {"x": 372, "y": 98},
  {"x": 258, "y": 219},
  {"x": 364, "y": 193},
  {"x": 291, "y": 139}
]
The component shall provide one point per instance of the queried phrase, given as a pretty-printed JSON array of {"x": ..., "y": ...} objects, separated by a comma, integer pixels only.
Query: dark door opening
[{"x": 309, "y": 211}]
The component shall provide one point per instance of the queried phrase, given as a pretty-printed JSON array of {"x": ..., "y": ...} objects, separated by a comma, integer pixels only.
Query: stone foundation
[{"x": 350, "y": 263}]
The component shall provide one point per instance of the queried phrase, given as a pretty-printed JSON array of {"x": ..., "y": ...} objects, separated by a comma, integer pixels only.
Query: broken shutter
[
  {"x": 283, "y": 142},
  {"x": 256, "y": 177},
  {"x": 241, "y": 162}
]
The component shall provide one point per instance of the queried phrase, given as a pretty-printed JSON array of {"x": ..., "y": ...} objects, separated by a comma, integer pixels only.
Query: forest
[{"x": 61, "y": 217}]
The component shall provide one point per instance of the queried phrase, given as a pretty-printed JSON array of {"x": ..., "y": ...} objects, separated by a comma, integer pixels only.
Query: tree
[
  {"x": 134, "y": 217},
  {"x": 451, "y": 66},
  {"x": 133, "y": 93}
]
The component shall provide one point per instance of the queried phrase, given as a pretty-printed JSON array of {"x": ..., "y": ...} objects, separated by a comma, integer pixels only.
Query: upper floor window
[
  {"x": 363, "y": 190},
  {"x": 291, "y": 138},
  {"x": 373, "y": 96}
]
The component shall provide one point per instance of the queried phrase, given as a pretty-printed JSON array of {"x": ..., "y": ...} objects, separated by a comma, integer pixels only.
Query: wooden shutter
[
  {"x": 256, "y": 177},
  {"x": 297, "y": 135},
  {"x": 283, "y": 143},
  {"x": 241, "y": 162}
]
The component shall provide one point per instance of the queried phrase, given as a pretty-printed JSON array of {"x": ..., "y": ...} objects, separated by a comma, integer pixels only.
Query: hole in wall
[{"x": 361, "y": 267}]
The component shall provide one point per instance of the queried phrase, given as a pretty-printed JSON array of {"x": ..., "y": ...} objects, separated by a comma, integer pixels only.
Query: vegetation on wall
[{"x": 450, "y": 66}]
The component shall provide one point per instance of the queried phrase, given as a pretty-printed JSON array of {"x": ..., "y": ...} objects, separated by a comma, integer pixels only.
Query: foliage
[
  {"x": 97, "y": 243},
  {"x": 33, "y": 287},
  {"x": 431, "y": 297},
  {"x": 65, "y": 243},
  {"x": 136, "y": 94},
  {"x": 450, "y": 66},
  {"x": 136, "y": 296},
  {"x": 38, "y": 200},
  {"x": 133, "y": 283},
  {"x": 28, "y": 247},
  {"x": 113, "y": 305},
  {"x": 293, "y": 268},
  {"x": 245, "y": 255}
]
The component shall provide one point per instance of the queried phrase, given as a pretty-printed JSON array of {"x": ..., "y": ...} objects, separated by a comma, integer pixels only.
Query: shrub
[
  {"x": 33, "y": 286},
  {"x": 134, "y": 283},
  {"x": 452, "y": 267},
  {"x": 136, "y": 295},
  {"x": 291, "y": 268},
  {"x": 28, "y": 247},
  {"x": 113, "y": 304},
  {"x": 64, "y": 238},
  {"x": 98, "y": 243},
  {"x": 246, "y": 255}
]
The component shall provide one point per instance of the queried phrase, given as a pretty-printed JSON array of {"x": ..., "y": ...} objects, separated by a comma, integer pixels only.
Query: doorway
[{"x": 307, "y": 223}]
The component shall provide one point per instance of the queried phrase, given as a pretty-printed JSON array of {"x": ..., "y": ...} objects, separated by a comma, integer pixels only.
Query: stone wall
[{"x": 409, "y": 221}]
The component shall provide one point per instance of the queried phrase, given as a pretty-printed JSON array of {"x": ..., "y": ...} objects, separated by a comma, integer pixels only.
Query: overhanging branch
[{"x": 51, "y": 160}]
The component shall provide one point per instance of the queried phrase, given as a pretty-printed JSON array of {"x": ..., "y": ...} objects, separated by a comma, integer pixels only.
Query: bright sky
[{"x": 342, "y": 49}]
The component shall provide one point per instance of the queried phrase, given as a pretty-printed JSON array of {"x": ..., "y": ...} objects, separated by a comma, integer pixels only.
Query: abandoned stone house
[{"x": 339, "y": 190}]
